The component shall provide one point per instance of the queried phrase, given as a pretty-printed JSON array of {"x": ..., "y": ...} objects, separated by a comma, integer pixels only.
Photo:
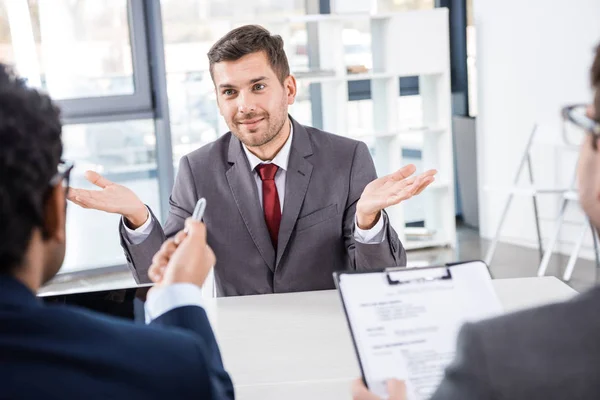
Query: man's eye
[
  {"x": 228, "y": 92},
  {"x": 259, "y": 86}
]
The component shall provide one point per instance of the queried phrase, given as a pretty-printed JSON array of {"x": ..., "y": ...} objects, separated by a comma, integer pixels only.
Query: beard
[{"x": 267, "y": 130}]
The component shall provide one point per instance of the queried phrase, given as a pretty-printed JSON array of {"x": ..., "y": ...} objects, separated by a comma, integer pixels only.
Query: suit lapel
[
  {"x": 296, "y": 185},
  {"x": 243, "y": 188}
]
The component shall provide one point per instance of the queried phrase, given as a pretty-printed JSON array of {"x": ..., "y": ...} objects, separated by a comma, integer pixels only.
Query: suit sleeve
[
  {"x": 390, "y": 251},
  {"x": 182, "y": 202},
  {"x": 194, "y": 320},
  {"x": 466, "y": 378}
]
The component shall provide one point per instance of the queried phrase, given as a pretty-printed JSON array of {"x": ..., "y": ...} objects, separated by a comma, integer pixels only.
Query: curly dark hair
[
  {"x": 250, "y": 39},
  {"x": 30, "y": 151}
]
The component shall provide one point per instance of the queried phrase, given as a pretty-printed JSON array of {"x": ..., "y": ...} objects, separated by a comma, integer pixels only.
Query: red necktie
[{"x": 271, "y": 206}]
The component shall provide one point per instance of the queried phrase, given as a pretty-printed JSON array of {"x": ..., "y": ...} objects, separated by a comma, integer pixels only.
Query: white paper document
[{"x": 406, "y": 327}]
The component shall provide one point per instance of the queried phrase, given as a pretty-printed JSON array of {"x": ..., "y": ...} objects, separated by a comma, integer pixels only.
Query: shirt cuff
[
  {"x": 164, "y": 299},
  {"x": 137, "y": 236},
  {"x": 375, "y": 235}
]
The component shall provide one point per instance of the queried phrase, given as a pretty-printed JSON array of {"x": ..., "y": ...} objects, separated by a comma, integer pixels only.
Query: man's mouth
[{"x": 251, "y": 123}]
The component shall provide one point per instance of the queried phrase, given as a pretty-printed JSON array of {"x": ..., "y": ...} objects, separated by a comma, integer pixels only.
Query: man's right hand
[
  {"x": 185, "y": 258},
  {"x": 113, "y": 198}
]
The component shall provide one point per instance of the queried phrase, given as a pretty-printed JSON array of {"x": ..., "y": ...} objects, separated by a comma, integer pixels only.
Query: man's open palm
[
  {"x": 112, "y": 198},
  {"x": 392, "y": 189}
]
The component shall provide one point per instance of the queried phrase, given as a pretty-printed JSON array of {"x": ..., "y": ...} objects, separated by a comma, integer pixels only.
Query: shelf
[
  {"x": 308, "y": 78},
  {"x": 320, "y": 18},
  {"x": 423, "y": 244},
  {"x": 424, "y": 131},
  {"x": 402, "y": 44},
  {"x": 439, "y": 185},
  {"x": 525, "y": 190}
]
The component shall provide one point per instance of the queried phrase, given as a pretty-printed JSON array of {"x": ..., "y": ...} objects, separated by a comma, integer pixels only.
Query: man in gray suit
[
  {"x": 551, "y": 352},
  {"x": 287, "y": 204}
]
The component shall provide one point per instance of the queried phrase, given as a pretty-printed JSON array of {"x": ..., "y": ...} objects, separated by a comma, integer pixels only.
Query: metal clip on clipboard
[{"x": 391, "y": 281}]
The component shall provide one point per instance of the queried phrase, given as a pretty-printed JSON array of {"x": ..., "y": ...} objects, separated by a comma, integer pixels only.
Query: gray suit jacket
[
  {"x": 325, "y": 178},
  {"x": 552, "y": 352}
]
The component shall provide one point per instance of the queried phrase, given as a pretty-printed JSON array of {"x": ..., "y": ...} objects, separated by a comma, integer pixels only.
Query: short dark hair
[
  {"x": 595, "y": 75},
  {"x": 30, "y": 151},
  {"x": 250, "y": 39}
]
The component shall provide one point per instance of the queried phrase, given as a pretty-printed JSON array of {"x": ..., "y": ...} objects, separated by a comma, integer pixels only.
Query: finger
[
  {"x": 157, "y": 272},
  {"x": 360, "y": 392},
  {"x": 390, "y": 187},
  {"x": 399, "y": 185},
  {"x": 97, "y": 179},
  {"x": 404, "y": 193},
  {"x": 211, "y": 256},
  {"x": 87, "y": 201},
  {"x": 74, "y": 200},
  {"x": 396, "y": 389},
  {"x": 420, "y": 185},
  {"x": 402, "y": 173},
  {"x": 179, "y": 237},
  {"x": 160, "y": 259},
  {"x": 71, "y": 193},
  {"x": 430, "y": 172},
  {"x": 168, "y": 247},
  {"x": 195, "y": 229},
  {"x": 426, "y": 182}
]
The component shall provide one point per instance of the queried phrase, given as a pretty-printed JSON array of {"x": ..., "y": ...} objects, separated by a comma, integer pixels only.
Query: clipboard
[{"x": 401, "y": 317}]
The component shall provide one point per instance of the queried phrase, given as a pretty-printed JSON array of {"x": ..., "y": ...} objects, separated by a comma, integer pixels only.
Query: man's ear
[
  {"x": 291, "y": 88},
  {"x": 55, "y": 215}
]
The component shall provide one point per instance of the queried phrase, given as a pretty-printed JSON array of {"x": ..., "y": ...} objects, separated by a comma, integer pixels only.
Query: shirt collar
[{"x": 281, "y": 158}]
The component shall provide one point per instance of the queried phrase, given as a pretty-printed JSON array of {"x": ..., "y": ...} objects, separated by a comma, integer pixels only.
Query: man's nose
[{"x": 246, "y": 104}]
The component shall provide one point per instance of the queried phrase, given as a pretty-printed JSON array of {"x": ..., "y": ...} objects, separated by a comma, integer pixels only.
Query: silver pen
[{"x": 198, "y": 211}]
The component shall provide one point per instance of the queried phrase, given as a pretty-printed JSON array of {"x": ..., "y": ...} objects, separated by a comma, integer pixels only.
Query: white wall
[{"x": 533, "y": 57}]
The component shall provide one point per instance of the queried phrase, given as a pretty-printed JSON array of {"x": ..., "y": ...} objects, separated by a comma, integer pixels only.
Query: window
[
  {"x": 471, "y": 60},
  {"x": 124, "y": 153},
  {"x": 77, "y": 50},
  {"x": 404, "y": 5},
  {"x": 190, "y": 28},
  {"x": 91, "y": 57},
  {"x": 71, "y": 49},
  {"x": 357, "y": 46}
]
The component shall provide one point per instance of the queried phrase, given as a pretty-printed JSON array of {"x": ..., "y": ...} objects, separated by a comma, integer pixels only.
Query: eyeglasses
[
  {"x": 63, "y": 175},
  {"x": 577, "y": 116}
]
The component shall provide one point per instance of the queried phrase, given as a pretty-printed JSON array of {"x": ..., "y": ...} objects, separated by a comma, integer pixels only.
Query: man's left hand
[{"x": 388, "y": 191}]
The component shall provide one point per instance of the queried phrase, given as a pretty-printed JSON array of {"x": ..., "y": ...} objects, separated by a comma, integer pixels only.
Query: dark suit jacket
[
  {"x": 547, "y": 353},
  {"x": 325, "y": 178},
  {"x": 61, "y": 352}
]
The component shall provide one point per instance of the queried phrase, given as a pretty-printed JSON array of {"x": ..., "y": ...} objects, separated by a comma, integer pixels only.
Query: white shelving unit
[{"x": 413, "y": 43}]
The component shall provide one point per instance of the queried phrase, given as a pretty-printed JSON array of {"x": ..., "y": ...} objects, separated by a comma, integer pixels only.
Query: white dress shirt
[{"x": 162, "y": 300}]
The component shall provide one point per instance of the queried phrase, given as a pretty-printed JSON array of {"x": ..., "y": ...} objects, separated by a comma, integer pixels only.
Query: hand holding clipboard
[{"x": 404, "y": 321}]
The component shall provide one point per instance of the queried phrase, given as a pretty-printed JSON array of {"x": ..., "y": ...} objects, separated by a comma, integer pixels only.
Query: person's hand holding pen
[{"x": 185, "y": 258}]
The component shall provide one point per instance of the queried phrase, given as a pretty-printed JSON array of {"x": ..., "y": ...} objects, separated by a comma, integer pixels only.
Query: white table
[{"x": 297, "y": 345}]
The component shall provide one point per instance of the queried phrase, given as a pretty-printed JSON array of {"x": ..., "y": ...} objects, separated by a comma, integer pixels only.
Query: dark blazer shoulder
[
  {"x": 575, "y": 310},
  {"x": 565, "y": 331},
  {"x": 122, "y": 332}
]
